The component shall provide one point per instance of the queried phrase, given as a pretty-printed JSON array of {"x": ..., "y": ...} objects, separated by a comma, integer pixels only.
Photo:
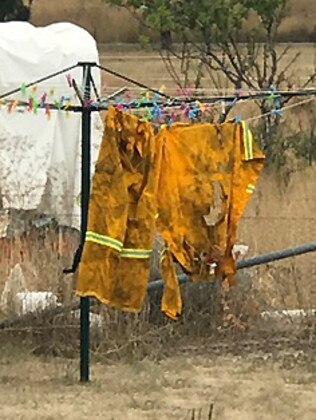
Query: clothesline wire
[
  {"x": 42, "y": 79},
  {"x": 216, "y": 103},
  {"x": 130, "y": 80},
  {"x": 121, "y": 76},
  {"x": 220, "y": 100},
  {"x": 259, "y": 116},
  {"x": 110, "y": 89},
  {"x": 285, "y": 108}
]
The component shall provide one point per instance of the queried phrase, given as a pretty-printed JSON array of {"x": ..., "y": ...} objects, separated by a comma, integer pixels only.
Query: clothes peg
[
  {"x": 23, "y": 89},
  {"x": 31, "y": 104},
  {"x": 43, "y": 99},
  {"x": 276, "y": 112},
  {"x": 238, "y": 119},
  {"x": 233, "y": 103},
  {"x": 47, "y": 111},
  {"x": 69, "y": 80}
]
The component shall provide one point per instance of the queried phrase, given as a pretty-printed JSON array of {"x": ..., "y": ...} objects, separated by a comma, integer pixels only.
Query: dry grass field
[
  {"x": 111, "y": 25},
  {"x": 150, "y": 70}
]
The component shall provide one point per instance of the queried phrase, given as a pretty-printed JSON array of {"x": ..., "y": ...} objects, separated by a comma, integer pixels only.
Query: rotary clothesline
[
  {"x": 199, "y": 103},
  {"x": 217, "y": 103},
  {"x": 89, "y": 105}
]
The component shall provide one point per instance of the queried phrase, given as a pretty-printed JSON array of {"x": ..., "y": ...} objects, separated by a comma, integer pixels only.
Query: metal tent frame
[{"x": 88, "y": 106}]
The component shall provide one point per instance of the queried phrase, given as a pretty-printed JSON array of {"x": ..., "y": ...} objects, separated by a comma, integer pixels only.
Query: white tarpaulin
[{"x": 40, "y": 157}]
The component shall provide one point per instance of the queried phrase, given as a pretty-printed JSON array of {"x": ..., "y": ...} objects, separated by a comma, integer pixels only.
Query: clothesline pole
[{"x": 85, "y": 193}]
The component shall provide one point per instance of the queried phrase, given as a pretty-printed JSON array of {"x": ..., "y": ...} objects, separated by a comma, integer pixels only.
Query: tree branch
[
  {"x": 287, "y": 67},
  {"x": 170, "y": 68},
  {"x": 221, "y": 66},
  {"x": 240, "y": 67}
]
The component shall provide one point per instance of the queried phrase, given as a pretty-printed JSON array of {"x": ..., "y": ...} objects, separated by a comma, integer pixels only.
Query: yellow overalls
[
  {"x": 116, "y": 256},
  {"x": 191, "y": 183}
]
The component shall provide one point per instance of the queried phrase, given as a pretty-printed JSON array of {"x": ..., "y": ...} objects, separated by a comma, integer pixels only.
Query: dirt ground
[{"x": 278, "y": 385}]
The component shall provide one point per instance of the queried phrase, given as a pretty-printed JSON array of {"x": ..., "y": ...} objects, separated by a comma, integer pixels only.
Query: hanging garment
[
  {"x": 116, "y": 256},
  {"x": 207, "y": 175},
  {"x": 191, "y": 183}
]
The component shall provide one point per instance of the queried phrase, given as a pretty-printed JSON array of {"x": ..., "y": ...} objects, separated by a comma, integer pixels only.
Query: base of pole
[{"x": 84, "y": 339}]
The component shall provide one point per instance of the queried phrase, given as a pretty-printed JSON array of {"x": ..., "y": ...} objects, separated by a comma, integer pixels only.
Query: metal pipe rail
[{"x": 252, "y": 262}]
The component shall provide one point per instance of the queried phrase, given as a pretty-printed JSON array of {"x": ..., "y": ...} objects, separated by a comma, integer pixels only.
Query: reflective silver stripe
[
  {"x": 248, "y": 141},
  {"x": 136, "y": 253},
  {"x": 104, "y": 240},
  {"x": 117, "y": 245},
  {"x": 250, "y": 188}
]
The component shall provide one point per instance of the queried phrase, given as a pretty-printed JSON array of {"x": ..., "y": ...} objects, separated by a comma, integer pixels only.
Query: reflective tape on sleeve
[{"x": 104, "y": 240}]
